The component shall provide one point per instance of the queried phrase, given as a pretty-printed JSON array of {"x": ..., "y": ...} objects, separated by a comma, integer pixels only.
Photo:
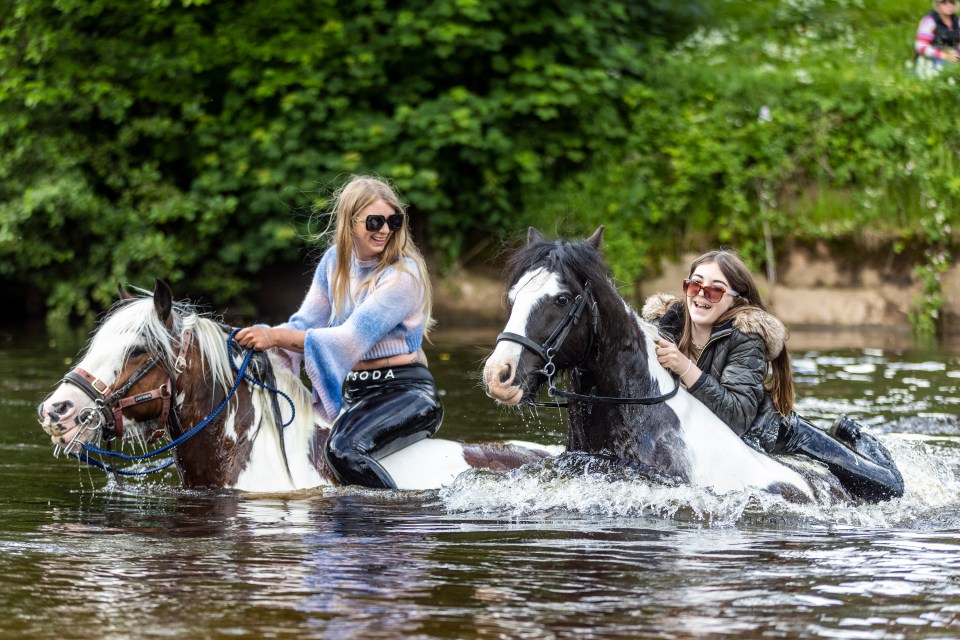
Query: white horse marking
[
  {"x": 501, "y": 367},
  {"x": 719, "y": 459}
]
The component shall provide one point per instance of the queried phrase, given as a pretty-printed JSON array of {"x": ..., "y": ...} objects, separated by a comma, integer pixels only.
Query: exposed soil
[{"x": 815, "y": 289}]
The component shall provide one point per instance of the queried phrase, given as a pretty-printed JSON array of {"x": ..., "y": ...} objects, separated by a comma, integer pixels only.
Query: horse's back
[
  {"x": 434, "y": 462},
  {"x": 722, "y": 461}
]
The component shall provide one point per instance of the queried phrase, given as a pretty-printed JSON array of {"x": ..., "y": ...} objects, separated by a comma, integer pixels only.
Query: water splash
[{"x": 596, "y": 486}]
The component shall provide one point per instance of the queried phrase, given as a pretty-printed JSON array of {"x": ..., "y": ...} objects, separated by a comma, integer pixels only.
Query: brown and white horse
[{"x": 158, "y": 368}]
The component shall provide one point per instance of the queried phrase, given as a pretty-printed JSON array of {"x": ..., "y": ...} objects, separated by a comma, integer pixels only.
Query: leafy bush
[
  {"x": 782, "y": 120},
  {"x": 190, "y": 140},
  {"x": 181, "y": 138}
]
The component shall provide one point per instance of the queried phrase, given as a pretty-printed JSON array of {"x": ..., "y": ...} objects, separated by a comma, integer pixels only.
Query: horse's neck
[
  {"x": 221, "y": 450},
  {"x": 624, "y": 367}
]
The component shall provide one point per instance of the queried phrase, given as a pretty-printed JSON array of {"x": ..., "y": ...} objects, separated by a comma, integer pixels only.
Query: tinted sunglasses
[
  {"x": 394, "y": 222},
  {"x": 712, "y": 292}
]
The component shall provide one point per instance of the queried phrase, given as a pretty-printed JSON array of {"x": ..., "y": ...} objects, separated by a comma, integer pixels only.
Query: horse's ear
[
  {"x": 534, "y": 236},
  {"x": 596, "y": 238},
  {"x": 123, "y": 293},
  {"x": 163, "y": 300}
]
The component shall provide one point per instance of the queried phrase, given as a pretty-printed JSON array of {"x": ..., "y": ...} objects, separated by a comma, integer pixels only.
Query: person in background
[
  {"x": 359, "y": 333},
  {"x": 938, "y": 36},
  {"x": 720, "y": 340}
]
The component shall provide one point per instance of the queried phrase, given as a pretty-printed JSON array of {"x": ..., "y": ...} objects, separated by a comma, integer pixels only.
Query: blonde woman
[{"x": 360, "y": 330}]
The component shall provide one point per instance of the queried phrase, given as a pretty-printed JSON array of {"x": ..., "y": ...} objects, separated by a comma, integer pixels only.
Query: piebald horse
[
  {"x": 566, "y": 316},
  {"x": 157, "y": 368}
]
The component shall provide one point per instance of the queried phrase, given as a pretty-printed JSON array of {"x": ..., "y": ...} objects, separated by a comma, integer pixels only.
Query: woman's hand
[
  {"x": 674, "y": 360},
  {"x": 670, "y": 357},
  {"x": 256, "y": 338}
]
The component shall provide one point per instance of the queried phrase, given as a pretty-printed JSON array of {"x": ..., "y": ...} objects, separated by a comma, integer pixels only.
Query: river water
[{"x": 541, "y": 553}]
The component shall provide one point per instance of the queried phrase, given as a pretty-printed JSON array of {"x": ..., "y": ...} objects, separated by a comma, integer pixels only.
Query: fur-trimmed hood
[{"x": 667, "y": 311}]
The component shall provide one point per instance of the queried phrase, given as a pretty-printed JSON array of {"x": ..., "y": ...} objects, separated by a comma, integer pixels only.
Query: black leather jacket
[{"x": 734, "y": 365}]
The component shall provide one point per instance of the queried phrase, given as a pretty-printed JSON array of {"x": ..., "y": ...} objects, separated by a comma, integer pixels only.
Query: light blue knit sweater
[{"x": 388, "y": 321}]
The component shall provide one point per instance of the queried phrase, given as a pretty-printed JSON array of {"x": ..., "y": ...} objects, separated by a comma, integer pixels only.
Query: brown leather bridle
[{"x": 109, "y": 403}]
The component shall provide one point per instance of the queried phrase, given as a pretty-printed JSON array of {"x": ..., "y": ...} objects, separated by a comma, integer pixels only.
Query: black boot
[
  {"x": 846, "y": 431},
  {"x": 864, "y": 443},
  {"x": 859, "y": 461}
]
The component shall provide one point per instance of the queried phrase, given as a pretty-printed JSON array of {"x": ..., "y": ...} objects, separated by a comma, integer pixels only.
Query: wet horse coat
[
  {"x": 609, "y": 351},
  {"x": 244, "y": 447}
]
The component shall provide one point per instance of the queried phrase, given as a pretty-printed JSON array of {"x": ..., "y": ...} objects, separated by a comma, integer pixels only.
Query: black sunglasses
[
  {"x": 712, "y": 292},
  {"x": 394, "y": 222}
]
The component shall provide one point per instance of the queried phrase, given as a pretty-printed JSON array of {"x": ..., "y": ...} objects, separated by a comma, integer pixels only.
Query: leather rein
[{"x": 548, "y": 349}]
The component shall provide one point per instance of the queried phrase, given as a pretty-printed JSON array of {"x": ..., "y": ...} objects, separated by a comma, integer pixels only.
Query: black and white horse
[
  {"x": 566, "y": 316},
  {"x": 157, "y": 369}
]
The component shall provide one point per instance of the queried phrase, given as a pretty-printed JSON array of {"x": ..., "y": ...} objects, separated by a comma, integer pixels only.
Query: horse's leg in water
[
  {"x": 381, "y": 420},
  {"x": 870, "y": 475}
]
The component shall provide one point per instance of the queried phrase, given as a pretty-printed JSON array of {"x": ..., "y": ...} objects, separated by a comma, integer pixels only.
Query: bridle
[
  {"x": 552, "y": 344},
  {"x": 109, "y": 403},
  {"x": 555, "y": 340}
]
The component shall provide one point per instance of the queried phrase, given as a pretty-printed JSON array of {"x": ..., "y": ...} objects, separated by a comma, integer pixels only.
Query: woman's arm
[
  {"x": 330, "y": 353},
  {"x": 736, "y": 396},
  {"x": 261, "y": 338},
  {"x": 314, "y": 312},
  {"x": 923, "y": 44},
  {"x": 672, "y": 359}
]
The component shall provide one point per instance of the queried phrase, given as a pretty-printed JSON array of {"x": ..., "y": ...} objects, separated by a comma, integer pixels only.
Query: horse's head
[
  {"x": 127, "y": 372},
  {"x": 552, "y": 320}
]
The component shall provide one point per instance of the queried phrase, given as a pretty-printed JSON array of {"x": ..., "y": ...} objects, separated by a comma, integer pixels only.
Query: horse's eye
[
  {"x": 138, "y": 352},
  {"x": 562, "y": 300}
]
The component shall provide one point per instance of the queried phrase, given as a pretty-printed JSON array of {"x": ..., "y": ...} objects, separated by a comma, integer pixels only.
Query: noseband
[
  {"x": 552, "y": 344},
  {"x": 109, "y": 404}
]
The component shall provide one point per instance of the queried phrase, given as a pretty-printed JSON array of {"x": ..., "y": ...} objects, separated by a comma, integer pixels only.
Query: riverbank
[{"x": 861, "y": 301}]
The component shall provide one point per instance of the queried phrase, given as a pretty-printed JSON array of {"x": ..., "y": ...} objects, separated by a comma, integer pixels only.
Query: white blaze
[{"x": 530, "y": 289}]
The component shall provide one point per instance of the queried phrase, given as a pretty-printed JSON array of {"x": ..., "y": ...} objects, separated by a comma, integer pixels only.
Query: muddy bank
[
  {"x": 861, "y": 299},
  {"x": 867, "y": 298}
]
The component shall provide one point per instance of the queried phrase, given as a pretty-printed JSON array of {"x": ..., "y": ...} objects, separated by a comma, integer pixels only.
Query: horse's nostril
[
  {"x": 506, "y": 374},
  {"x": 57, "y": 410}
]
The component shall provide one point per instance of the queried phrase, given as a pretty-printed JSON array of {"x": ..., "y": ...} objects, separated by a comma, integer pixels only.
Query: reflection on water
[{"x": 540, "y": 553}]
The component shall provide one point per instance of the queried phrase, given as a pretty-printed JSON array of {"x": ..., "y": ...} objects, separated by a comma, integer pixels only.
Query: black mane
[
  {"x": 576, "y": 262},
  {"x": 614, "y": 366}
]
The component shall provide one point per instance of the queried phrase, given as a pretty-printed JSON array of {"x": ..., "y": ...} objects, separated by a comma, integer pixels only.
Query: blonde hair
[{"x": 348, "y": 202}]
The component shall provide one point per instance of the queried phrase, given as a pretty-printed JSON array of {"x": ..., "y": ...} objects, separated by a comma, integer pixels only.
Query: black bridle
[{"x": 552, "y": 344}]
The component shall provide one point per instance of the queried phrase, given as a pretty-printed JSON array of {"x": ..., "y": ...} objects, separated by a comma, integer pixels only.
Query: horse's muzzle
[{"x": 498, "y": 382}]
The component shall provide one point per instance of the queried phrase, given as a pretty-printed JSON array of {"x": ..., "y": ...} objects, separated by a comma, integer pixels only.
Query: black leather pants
[
  {"x": 868, "y": 473},
  {"x": 387, "y": 409}
]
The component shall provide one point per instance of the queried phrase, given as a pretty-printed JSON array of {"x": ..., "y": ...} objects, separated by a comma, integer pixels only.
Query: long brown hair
[
  {"x": 349, "y": 201},
  {"x": 780, "y": 381}
]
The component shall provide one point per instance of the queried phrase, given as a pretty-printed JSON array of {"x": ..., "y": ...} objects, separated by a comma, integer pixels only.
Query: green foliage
[
  {"x": 803, "y": 118},
  {"x": 190, "y": 139},
  {"x": 181, "y": 138}
]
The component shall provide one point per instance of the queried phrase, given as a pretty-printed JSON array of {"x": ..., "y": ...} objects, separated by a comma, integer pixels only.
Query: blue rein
[{"x": 241, "y": 375}]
